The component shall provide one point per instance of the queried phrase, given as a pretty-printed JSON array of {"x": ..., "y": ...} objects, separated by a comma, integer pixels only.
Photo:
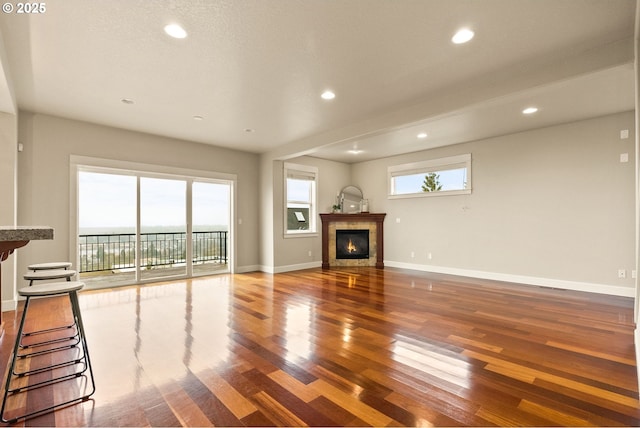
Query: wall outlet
[
  {"x": 413, "y": 254},
  {"x": 429, "y": 256},
  {"x": 397, "y": 219},
  {"x": 624, "y": 157},
  {"x": 624, "y": 134},
  {"x": 634, "y": 274},
  {"x": 310, "y": 253},
  {"x": 622, "y": 273}
]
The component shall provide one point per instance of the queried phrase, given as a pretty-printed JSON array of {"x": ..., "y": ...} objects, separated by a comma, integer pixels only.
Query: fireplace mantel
[{"x": 377, "y": 218}]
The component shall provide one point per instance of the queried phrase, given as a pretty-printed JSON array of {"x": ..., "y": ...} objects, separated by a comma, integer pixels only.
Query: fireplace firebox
[{"x": 352, "y": 244}]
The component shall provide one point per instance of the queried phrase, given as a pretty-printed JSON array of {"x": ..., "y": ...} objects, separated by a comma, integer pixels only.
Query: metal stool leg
[
  {"x": 85, "y": 371},
  {"x": 12, "y": 365},
  {"x": 75, "y": 306}
]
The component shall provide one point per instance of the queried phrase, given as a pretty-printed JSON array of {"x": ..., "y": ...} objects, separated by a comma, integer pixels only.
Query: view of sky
[
  {"x": 451, "y": 179},
  {"x": 299, "y": 190},
  {"x": 109, "y": 200}
]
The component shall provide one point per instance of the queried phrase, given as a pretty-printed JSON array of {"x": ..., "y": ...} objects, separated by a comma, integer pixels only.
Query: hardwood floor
[{"x": 349, "y": 347}]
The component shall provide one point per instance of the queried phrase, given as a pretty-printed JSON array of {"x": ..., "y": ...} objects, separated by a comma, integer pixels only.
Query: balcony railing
[{"x": 118, "y": 251}]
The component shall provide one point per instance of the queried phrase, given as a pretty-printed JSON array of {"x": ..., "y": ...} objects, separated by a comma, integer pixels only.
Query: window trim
[
  {"x": 292, "y": 170},
  {"x": 431, "y": 165}
]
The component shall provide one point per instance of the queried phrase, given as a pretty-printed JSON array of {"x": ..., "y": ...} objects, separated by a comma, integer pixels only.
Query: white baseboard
[
  {"x": 290, "y": 268},
  {"x": 266, "y": 269},
  {"x": 613, "y": 290},
  {"x": 9, "y": 305},
  {"x": 300, "y": 266},
  {"x": 249, "y": 268}
]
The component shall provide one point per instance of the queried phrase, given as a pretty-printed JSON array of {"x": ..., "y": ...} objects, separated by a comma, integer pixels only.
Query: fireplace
[
  {"x": 352, "y": 244},
  {"x": 370, "y": 224}
]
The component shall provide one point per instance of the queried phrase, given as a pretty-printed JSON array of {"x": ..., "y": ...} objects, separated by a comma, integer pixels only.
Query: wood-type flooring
[{"x": 347, "y": 347}]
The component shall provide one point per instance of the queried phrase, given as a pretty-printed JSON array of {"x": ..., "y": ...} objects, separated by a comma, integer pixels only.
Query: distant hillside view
[{"x": 148, "y": 229}]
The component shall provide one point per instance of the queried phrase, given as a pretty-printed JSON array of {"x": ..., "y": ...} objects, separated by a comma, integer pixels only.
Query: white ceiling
[{"x": 262, "y": 64}]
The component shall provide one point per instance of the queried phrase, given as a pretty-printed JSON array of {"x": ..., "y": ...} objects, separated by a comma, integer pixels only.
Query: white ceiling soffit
[
  {"x": 262, "y": 65},
  {"x": 587, "y": 96}
]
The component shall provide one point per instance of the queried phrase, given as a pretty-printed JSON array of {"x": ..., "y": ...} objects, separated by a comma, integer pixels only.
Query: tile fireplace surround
[{"x": 371, "y": 221}]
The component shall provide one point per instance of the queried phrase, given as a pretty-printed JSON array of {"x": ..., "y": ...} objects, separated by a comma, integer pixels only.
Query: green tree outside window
[{"x": 431, "y": 183}]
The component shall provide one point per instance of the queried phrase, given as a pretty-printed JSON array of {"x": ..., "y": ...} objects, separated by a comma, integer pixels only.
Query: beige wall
[
  {"x": 293, "y": 253},
  {"x": 44, "y": 184},
  {"x": 552, "y": 206},
  {"x": 8, "y": 190}
]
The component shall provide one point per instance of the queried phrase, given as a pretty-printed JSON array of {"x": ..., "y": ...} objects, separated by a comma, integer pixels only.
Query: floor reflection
[
  {"x": 299, "y": 322},
  {"x": 432, "y": 360},
  {"x": 134, "y": 331}
]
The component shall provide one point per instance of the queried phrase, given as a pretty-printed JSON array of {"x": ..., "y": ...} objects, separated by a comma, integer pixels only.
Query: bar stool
[
  {"x": 45, "y": 274},
  {"x": 41, "y": 273},
  {"x": 49, "y": 266},
  {"x": 18, "y": 382}
]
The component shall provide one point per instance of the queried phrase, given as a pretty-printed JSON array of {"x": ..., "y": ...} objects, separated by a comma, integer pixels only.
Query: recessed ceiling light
[
  {"x": 249, "y": 130},
  {"x": 422, "y": 135},
  {"x": 328, "y": 95},
  {"x": 175, "y": 31},
  {"x": 196, "y": 117},
  {"x": 530, "y": 110},
  {"x": 127, "y": 101},
  {"x": 462, "y": 36}
]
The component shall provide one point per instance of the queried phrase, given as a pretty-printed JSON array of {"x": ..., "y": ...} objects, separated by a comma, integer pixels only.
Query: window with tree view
[{"x": 451, "y": 175}]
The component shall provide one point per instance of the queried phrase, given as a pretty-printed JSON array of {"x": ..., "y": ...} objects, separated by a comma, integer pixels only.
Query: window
[
  {"x": 300, "y": 199},
  {"x": 445, "y": 176}
]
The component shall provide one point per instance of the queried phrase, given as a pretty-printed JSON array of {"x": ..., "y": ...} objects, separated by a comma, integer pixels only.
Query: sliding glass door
[
  {"x": 211, "y": 207},
  {"x": 135, "y": 227},
  {"x": 107, "y": 227},
  {"x": 163, "y": 228}
]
